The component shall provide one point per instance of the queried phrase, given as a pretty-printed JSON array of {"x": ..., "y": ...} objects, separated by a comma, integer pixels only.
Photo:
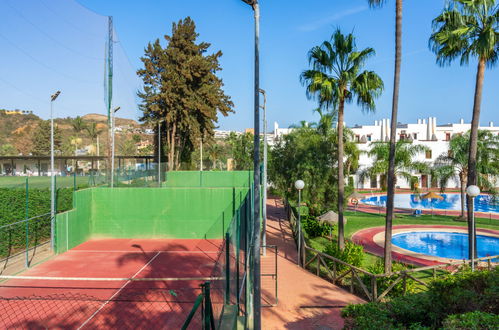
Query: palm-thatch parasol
[
  {"x": 331, "y": 218},
  {"x": 357, "y": 195},
  {"x": 432, "y": 195}
]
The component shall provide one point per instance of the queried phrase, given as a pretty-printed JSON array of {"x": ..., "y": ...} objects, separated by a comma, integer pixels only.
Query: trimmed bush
[{"x": 13, "y": 209}]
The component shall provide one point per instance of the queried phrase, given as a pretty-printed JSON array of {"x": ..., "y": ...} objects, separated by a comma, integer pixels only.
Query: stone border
[{"x": 373, "y": 241}]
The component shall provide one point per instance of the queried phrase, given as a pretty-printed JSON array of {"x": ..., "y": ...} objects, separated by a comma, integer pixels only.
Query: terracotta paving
[{"x": 305, "y": 300}]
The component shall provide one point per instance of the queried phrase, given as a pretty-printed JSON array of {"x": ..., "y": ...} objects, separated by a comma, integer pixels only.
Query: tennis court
[
  {"x": 139, "y": 258},
  {"x": 118, "y": 283}
]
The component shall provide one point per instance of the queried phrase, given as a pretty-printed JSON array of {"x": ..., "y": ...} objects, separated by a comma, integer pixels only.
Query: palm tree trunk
[
  {"x": 341, "y": 177},
  {"x": 462, "y": 180},
  {"x": 472, "y": 175},
  {"x": 393, "y": 132}
]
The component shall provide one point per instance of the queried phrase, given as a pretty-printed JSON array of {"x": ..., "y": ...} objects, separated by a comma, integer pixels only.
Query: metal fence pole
[{"x": 26, "y": 213}]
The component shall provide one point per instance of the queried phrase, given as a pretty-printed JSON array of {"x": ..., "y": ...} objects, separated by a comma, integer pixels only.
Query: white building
[{"x": 425, "y": 131}]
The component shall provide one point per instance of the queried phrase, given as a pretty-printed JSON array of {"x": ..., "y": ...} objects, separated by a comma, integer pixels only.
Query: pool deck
[
  {"x": 373, "y": 238},
  {"x": 374, "y": 209}
]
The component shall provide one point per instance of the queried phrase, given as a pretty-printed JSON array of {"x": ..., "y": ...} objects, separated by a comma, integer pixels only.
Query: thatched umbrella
[
  {"x": 331, "y": 218},
  {"x": 432, "y": 195}
]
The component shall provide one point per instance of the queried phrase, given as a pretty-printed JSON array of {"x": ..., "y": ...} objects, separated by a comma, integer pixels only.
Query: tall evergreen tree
[
  {"x": 41, "y": 139},
  {"x": 181, "y": 89}
]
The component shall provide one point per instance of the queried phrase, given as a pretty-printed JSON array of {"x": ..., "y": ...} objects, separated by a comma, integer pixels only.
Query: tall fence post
[
  {"x": 227, "y": 268},
  {"x": 374, "y": 285},
  {"x": 26, "y": 214}
]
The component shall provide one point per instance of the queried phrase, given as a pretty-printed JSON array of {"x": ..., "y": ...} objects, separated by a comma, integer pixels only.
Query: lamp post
[
  {"x": 256, "y": 172},
  {"x": 159, "y": 153},
  {"x": 472, "y": 191},
  {"x": 264, "y": 190},
  {"x": 53, "y": 97},
  {"x": 112, "y": 143},
  {"x": 299, "y": 185}
]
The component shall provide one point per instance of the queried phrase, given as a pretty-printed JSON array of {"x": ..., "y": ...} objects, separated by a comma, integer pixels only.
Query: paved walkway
[{"x": 305, "y": 300}]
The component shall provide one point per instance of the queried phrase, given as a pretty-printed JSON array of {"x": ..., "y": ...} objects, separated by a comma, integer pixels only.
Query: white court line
[{"x": 122, "y": 287}]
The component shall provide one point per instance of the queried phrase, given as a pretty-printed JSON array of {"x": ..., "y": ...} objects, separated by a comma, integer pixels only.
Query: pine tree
[
  {"x": 182, "y": 89},
  {"x": 41, "y": 139}
]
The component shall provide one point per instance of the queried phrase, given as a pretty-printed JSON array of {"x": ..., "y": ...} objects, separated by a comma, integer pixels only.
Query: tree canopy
[{"x": 181, "y": 89}]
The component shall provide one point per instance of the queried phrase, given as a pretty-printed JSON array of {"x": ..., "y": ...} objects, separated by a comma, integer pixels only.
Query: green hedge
[
  {"x": 13, "y": 209},
  {"x": 454, "y": 294}
]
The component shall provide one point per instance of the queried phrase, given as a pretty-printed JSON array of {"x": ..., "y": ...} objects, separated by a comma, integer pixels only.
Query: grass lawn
[
  {"x": 41, "y": 181},
  {"x": 358, "y": 220}
]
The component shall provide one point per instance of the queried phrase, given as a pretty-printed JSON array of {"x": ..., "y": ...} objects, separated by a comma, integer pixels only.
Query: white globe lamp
[{"x": 473, "y": 191}]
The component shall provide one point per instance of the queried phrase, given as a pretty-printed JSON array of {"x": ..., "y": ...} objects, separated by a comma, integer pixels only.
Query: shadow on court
[{"x": 38, "y": 304}]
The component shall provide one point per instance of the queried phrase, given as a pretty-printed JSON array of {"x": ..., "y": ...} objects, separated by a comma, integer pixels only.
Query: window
[
  {"x": 447, "y": 136},
  {"x": 428, "y": 154},
  {"x": 415, "y": 136},
  {"x": 369, "y": 137}
]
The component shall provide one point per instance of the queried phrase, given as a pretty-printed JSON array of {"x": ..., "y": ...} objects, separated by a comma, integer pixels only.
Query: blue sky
[{"x": 288, "y": 30}]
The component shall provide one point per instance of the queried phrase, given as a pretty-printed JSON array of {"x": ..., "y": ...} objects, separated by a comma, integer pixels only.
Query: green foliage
[
  {"x": 182, "y": 89},
  {"x": 405, "y": 164},
  {"x": 454, "y": 294},
  {"x": 466, "y": 29},
  {"x": 352, "y": 254},
  {"x": 241, "y": 150},
  {"x": 314, "y": 228},
  {"x": 8, "y": 150},
  {"x": 384, "y": 282},
  {"x": 472, "y": 321},
  {"x": 13, "y": 209},
  {"x": 455, "y": 162},
  {"x": 41, "y": 139}
]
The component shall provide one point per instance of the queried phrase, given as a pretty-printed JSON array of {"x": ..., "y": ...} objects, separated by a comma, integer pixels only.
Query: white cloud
[{"x": 330, "y": 19}]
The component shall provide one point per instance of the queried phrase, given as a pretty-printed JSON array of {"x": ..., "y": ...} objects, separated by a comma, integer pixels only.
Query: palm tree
[
  {"x": 215, "y": 153},
  {"x": 468, "y": 28},
  {"x": 335, "y": 79},
  {"x": 78, "y": 125},
  {"x": 393, "y": 130},
  {"x": 92, "y": 131},
  {"x": 454, "y": 164},
  {"x": 405, "y": 163}
]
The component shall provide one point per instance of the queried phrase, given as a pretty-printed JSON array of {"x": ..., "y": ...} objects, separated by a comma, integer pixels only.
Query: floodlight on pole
[
  {"x": 299, "y": 185},
  {"x": 472, "y": 191},
  {"x": 53, "y": 97},
  {"x": 256, "y": 281},
  {"x": 112, "y": 143}
]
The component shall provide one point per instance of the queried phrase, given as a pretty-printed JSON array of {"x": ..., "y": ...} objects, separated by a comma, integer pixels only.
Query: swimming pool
[
  {"x": 483, "y": 203},
  {"x": 445, "y": 244}
]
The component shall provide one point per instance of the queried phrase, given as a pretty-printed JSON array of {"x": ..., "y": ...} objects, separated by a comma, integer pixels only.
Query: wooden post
[
  {"x": 404, "y": 283},
  {"x": 434, "y": 273},
  {"x": 374, "y": 285},
  {"x": 318, "y": 264},
  {"x": 351, "y": 280}
]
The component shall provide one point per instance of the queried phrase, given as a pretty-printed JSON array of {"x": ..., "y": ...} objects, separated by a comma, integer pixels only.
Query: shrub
[
  {"x": 352, "y": 254},
  {"x": 384, "y": 282},
  {"x": 314, "y": 228},
  {"x": 13, "y": 209},
  {"x": 472, "y": 320},
  {"x": 453, "y": 294}
]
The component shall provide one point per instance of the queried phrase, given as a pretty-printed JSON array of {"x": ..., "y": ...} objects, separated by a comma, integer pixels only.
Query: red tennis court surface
[{"x": 124, "y": 304}]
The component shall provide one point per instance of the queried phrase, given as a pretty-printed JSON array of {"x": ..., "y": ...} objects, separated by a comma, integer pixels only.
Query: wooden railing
[{"x": 329, "y": 267}]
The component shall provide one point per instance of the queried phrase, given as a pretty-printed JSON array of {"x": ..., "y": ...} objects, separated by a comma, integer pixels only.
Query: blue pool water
[
  {"x": 445, "y": 245},
  {"x": 483, "y": 203}
]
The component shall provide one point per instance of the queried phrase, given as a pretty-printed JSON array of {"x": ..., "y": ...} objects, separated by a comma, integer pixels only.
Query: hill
[{"x": 17, "y": 129}]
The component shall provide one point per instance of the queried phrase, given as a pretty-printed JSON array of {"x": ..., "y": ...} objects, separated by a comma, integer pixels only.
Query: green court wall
[
  {"x": 169, "y": 212},
  {"x": 73, "y": 227},
  {"x": 208, "y": 179}
]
